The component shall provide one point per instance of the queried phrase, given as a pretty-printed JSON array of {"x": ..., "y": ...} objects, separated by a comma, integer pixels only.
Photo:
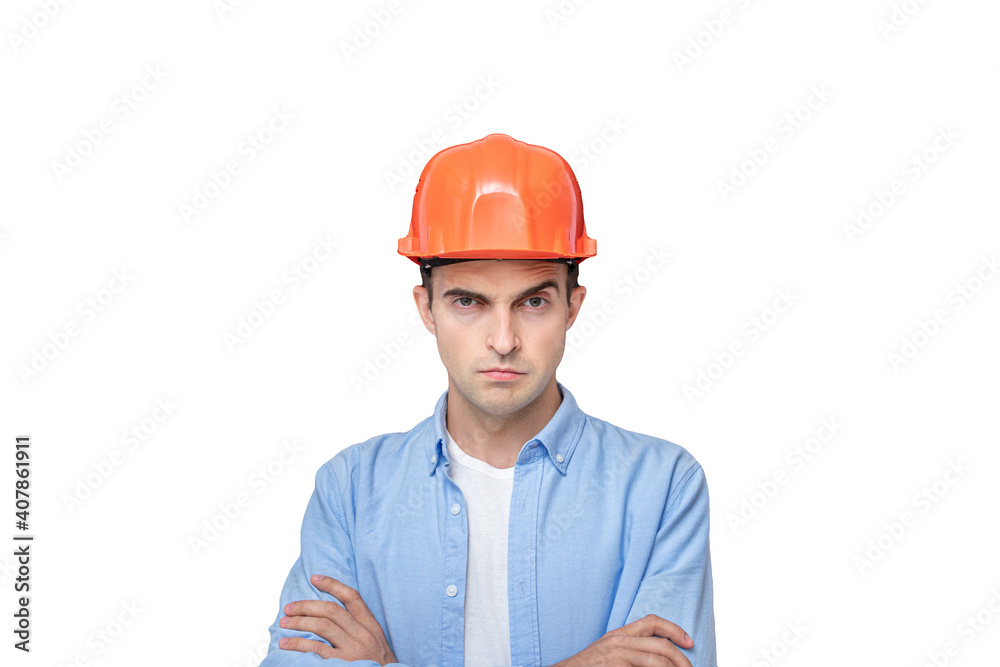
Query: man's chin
[{"x": 504, "y": 398}]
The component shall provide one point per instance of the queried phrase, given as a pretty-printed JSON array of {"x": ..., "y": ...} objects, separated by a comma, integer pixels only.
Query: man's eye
[
  {"x": 464, "y": 298},
  {"x": 535, "y": 298}
]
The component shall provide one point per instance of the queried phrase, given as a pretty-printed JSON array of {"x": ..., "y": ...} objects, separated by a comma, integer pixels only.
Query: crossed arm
[{"x": 355, "y": 634}]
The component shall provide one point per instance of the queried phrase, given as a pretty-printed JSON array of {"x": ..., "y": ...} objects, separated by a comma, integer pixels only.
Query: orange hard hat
[{"x": 497, "y": 198}]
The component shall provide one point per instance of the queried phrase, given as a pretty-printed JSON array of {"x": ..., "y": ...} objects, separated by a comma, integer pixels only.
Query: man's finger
[
  {"x": 319, "y": 625},
  {"x": 322, "y": 608},
  {"x": 659, "y": 646},
  {"x": 352, "y": 601},
  {"x": 652, "y": 625},
  {"x": 324, "y": 618},
  {"x": 304, "y": 645}
]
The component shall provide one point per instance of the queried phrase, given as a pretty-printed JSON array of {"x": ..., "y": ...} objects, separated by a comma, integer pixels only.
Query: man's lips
[{"x": 501, "y": 374}]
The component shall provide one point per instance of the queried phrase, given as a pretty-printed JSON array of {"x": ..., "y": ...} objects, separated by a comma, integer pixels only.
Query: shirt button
[
  {"x": 451, "y": 591},
  {"x": 434, "y": 459},
  {"x": 455, "y": 509},
  {"x": 559, "y": 457}
]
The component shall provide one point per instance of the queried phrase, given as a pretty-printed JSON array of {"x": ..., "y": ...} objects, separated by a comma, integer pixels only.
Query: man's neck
[{"x": 498, "y": 440}]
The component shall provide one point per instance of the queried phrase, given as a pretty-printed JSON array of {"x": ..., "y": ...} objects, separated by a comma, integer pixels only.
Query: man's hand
[
  {"x": 353, "y": 632},
  {"x": 647, "y": 642}
]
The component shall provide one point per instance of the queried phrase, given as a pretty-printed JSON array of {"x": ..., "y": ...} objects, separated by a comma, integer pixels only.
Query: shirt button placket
[
  {"x": 452, "y": 590},
  {"x": 456, "y": 548}
]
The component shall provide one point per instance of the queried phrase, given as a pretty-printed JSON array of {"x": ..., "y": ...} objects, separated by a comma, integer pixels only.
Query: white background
[{"x": 662, "y": 134}]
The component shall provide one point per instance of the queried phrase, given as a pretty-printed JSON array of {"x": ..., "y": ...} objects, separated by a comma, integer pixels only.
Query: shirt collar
[{"x": 558, "y": 439}]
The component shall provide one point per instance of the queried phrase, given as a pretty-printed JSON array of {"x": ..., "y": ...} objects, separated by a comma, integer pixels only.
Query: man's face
[{"x": 509, "y": 314}]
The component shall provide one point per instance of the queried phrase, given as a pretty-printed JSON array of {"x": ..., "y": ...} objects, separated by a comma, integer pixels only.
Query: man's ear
[
  {"x": 420, "y": 296},
  {"x": 575, "y": 303}
]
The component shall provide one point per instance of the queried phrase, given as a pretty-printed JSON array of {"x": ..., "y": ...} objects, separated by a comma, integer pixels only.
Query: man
[{"x": 510, "y": 528}]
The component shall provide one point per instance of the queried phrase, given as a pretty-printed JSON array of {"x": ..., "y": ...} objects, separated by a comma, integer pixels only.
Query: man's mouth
[{"x": 502, "y": 374}]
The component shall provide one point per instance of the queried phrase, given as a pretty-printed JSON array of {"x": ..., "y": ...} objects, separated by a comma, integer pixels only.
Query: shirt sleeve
[
  {"x": 677, "y": 584},
  {"x": 326, "y": 548}
]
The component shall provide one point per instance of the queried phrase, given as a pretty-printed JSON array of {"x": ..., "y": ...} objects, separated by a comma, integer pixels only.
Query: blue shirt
[{"x": 606, "y": 526}]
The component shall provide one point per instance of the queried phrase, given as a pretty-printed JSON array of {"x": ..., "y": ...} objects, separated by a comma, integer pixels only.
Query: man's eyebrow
[{"x": 462, "y": 292}]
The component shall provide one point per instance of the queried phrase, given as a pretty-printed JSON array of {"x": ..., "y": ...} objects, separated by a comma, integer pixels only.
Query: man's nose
[{"x": 502, "y": 337}]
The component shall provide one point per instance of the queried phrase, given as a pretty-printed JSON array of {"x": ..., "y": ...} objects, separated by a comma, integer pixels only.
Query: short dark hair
[{"x": 572, "y": 282}]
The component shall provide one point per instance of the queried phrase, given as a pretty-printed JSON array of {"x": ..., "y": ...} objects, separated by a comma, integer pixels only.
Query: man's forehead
[{"x": 493, "y": 276}]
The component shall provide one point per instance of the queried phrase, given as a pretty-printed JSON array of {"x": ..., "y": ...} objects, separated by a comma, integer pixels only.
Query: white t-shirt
[{"x": 487, "y": 492}]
